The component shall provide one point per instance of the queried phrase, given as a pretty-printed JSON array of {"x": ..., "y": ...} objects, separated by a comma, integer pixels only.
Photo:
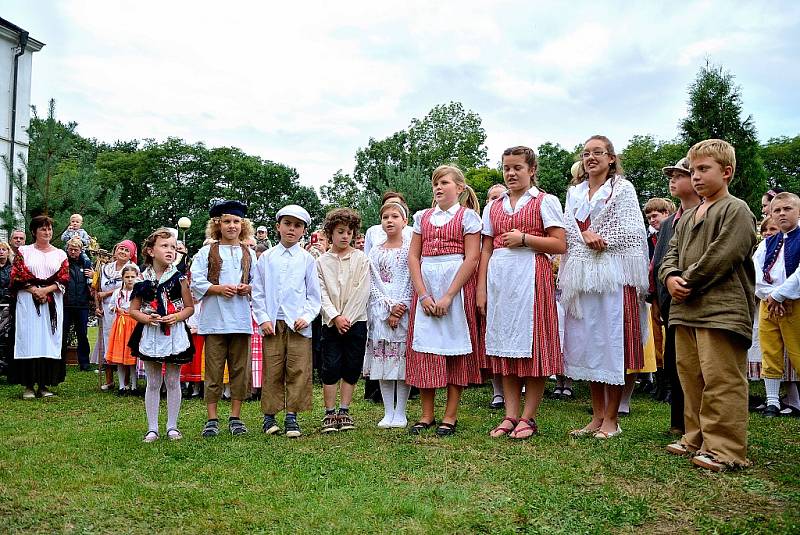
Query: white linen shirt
[
  {"x": 286, "y": 287},
  {"x": 220, "y": 314},
  {"x": 552, "y": 216},
  {"x": 471, "y": 223},
  {"x": 344, "y": 284},
  {"x": 782, "y": 287},
  {"x": 375, "y": 236}
]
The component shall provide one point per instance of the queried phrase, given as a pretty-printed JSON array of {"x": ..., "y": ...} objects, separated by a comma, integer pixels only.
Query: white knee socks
[
  {"x": 387, "y": 393},
  {"x": 173, "y": 380},
  {"x": 152, "y": 395},
  {"x": 123, "y": 383},
  {"x": 403, "y": 391},
  {"x": 395, "y": 396}
]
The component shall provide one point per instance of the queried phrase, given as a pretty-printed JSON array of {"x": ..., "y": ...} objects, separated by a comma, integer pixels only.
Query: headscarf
[{"x": 130, "y": 246}]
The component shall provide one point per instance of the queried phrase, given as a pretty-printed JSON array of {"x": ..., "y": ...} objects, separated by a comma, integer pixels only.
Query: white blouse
[
  {"x": 552, "y": 216},
  {"x": 579, "y": 204},
  {"x": 471, "y": 223}
]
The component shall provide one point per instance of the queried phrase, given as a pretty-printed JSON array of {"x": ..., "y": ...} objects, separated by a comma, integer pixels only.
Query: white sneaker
[
  {"x": 386, "y": 423},
  {"x": 28, "y": 394},
  {"x": 399, "y": 421}
]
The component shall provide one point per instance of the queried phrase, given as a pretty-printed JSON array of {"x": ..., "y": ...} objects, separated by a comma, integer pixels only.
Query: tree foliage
[
  {"x": 781, "y": 158},
  {"x": 715, "y": 111},
  {"x": 553, "y": 173},
  {"x": 643, "y": 160}
]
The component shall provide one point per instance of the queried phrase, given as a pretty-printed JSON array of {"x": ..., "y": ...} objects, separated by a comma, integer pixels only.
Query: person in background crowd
[
  {"x": 38, "y": 277},
  {"x": 17, "y": 239},
  {"x": 118, "y": 352},
  {"x": 262, "y": 238},
  {"x": 5, "y": 271},
  {"x": 358, "y": 242},
  {"x": 77, "y": 298}
]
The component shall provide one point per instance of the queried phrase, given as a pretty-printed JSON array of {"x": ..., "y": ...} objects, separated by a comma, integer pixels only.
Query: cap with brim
[
  {"x": 239, "y": 209},
  {"x": 262, "y": 228},
  {"x": 294, "y": 210},
  {"x": 682, "y": 166}
]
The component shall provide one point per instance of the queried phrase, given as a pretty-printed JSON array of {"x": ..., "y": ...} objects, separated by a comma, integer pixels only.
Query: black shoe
[
  {"x": 291, "y": 427},
  {"x": 236, "y": 426},
  {"x": 270, "y": 426},
  {"x": 497, "y": 403},
  {"x": 771, "y": 412}
]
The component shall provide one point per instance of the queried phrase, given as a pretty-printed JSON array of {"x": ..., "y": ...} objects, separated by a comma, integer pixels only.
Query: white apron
[
  {"x": 34, "y": 337},
  {"x": 510, "y": 290},
  {"x": 448, "y": 335}
]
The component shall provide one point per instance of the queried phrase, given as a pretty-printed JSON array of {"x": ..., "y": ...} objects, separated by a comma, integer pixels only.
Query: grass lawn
[{"x": 76, "y": 463}]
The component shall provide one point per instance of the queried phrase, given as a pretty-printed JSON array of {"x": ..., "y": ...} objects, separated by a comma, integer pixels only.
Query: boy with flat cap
[
  {"x": 286, "y": 298},
  {"x": 221, "y": 275}
]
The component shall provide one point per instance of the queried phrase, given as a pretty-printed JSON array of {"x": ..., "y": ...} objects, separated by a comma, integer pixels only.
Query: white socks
[
  {"x": 497, "y": 386},
  {"x": 152, "y": 395},
  {"x": 123, "y": 382},
  {"x": 394, "y": 412},
  {"x": 773, "y": 388}
]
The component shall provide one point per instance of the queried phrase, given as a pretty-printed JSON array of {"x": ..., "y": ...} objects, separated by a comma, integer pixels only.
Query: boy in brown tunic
[{"x": 709, "y": 273}]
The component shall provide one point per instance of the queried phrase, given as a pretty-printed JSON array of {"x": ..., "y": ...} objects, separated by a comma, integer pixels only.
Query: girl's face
[
  {"x": 129, "y": 279},
  {"x": 446, "y": 191},
  {"x": 163, "y": 251},
  {"x": 771, "y": 230},
  {"x": 44, "y": 234},
  {"x": 516, "y": 173},
  {"x": 495, "y": 192},
  {"x": 392, "y": 221},
  {"x": 596, "y": 159},
  {"x": 122, "y": 254},
  {"x": 3, "y": 253},
  {"x": 230, "y": 227},
  {"x": 765, "y": 205}
]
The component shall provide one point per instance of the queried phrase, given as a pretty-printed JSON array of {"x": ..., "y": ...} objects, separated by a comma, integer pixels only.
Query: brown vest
[{"x": 215, "y": 263}]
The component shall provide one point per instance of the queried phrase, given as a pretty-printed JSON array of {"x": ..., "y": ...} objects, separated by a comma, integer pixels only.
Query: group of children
[{"x": 459, "y": 297}]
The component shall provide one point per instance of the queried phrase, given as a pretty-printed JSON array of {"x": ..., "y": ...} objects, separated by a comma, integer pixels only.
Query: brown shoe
[
  {"x": 345, "y": 421},
  {"x": 330, "y": 423}
]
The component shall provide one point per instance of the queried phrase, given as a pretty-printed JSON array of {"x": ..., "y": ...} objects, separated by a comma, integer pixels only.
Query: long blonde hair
[{"x": 466, "y": 198}]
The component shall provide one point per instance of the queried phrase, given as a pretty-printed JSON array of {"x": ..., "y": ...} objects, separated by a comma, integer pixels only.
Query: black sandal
[
  {"x": 446, "y": 430},
  {"x": 211, "y": 429},
  {"x": 236, "y": 426},
  {"x": 418, "y": 427}
]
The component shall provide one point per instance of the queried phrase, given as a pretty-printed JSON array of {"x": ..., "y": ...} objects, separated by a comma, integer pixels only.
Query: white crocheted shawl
[{"x": 623, "y": 263}]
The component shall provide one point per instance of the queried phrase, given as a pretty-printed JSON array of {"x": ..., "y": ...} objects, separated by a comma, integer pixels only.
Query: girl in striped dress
[
  {"x": 442, "y": 347},
  {"x": 516, "y": 290}
]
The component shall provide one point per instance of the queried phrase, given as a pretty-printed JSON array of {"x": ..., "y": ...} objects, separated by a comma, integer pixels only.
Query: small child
[
  {"x": 161, "y": 303},
  {"x": 344, "y": 288},
  {"x": 74, "y": 230},
  {"x": 358, "y": 241},
  {"x": 390, "y": 299},
  {"x": 442, "y": 345},
  {"x": 710, "y": 276},
  {"x": 118, "y": 351},
  {"x": 776, "y": 259},
  {"x": 221, "y": 274},
  {"x": 286, "y": 298}
]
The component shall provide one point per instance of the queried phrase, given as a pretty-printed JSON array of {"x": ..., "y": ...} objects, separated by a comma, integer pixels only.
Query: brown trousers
[
  {"x": 233, "y": 348},
  {"x": 286, "y": 373},
  {"x": 712, "y": 365}
]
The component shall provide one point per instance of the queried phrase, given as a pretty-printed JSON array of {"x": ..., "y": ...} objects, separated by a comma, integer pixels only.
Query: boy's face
[
  {"x": 359, "y": 244},
  {"x": 771, "y": 230},
  {"x": 291, "y": 230},
  {"x": 230, "y": 227},
  {"x": 680, "y": 185},
  {"x": 655, "y": 218},
  {"x": 75, "y": 222},
  {"x": 785, "y": 214},
  {"x": 261, "y": 234},
  {"x": 341, "y": 237},
  {"x": 709, "y": 178}
]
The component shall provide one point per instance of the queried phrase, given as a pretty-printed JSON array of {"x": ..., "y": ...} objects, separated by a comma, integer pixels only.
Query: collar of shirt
[
  {"x": 452, "y": 210},
  {"x": 506, "y": 198},
  {"x": 792, "y": 234},
  {"x": 293, "y": 250},
  {"x": 336, "y": 256}
]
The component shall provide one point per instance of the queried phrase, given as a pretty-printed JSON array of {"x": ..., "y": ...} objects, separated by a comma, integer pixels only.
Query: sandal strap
[
  {"x": 513, "y": 421},
  {"x": 424, "y": 425}
]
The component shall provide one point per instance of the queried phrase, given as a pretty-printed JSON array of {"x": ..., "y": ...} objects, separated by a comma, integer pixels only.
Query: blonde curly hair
[{"x": 214, "y": 231}]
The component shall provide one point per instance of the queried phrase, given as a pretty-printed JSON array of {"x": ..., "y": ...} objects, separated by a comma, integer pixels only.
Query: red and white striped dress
[
  {"x": 256, "y": 352},
  {"x": 431, "y": 370},
  {"x": 543, "y": 356}
]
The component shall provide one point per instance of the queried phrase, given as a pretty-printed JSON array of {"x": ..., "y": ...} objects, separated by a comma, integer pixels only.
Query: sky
[{"x": 308, "y": 83}]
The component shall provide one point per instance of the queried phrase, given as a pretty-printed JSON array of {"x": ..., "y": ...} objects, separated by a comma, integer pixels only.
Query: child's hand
[
  {"x": 393, "y": 321},
  {"x": 155, "y": 319},
  {"x": 98, "y": 311},
  {"x": 776, "y": 309},
  {"x": 429, "y": 306},
  {"x": 676, "y": 287},
  {"x": 398, "y": 310},
  {"x": 512, "y": 238},
  {"x": 243, "y": 289},
  {"x": 342, "y": 324},
  {"x": 480, "y": 301},
  {"x": 300, "y": 324},
  {"x": 442, "y": 305},
  {"x": 593, "y": 240},
  {"x": 227, "y": 290},
  {"x": 267, "y": 329},
  {"x": 169, "y": 319}
]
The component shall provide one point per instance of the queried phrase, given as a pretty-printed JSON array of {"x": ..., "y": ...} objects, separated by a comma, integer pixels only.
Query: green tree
[
  {"x": 715, "y": 111},
  {"x": 481, "y": 179},
  {"x": 553, "y": 173},
  {"x": 643, "y": 160},
  {"x": 341, "y": 191},
  {"x": 781, "y": 158}
]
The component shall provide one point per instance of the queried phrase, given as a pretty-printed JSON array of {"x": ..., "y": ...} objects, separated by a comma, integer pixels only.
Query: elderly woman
[
  {"x": 124, "y": 253},
  {"x": 38, "y": 276}
]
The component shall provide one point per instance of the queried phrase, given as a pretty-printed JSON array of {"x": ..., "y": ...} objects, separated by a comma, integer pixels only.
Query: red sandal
[
  {"x": 530, "y": 427},
  {"x": 503, "y": 430}
]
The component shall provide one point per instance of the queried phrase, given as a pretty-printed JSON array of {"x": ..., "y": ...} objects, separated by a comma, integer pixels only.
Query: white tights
[
  {"x": 152, "y": 395},
  {"x": 394, "y": 412}
]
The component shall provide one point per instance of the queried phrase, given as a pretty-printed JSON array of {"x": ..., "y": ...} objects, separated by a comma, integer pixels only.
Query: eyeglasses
[{"x": 595, "y": 153}]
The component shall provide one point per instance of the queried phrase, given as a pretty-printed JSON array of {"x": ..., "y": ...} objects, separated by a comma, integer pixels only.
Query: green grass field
[{"x": 76, "y": 464}]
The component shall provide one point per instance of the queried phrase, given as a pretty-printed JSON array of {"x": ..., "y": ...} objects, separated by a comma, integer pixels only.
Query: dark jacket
[
  {"x": 662, "y": 296},
  {"x": 5, "y": 281},
  {"x": 78, "y": 293}
]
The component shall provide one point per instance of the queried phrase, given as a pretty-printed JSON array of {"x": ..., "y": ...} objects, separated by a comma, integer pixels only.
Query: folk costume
[
  {"x": 444, "y": 350},
  {"x": 521, "y": 316},
  {"x": 606, "y": 320}
]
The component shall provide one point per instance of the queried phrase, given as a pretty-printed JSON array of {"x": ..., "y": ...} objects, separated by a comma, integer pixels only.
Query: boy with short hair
[
  {"x": 286, "y": 299},
  {"x": 710, "y": 276},
  {"x": 776, "y": 260},
  {"x": 656, "y": 210},
  {"x": 680, "y": 186},
  {"x": 344, "y": 283},
  {"x": 221, "y": 275}
]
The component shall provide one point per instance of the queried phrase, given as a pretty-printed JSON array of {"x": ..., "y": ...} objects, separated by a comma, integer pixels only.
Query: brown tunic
[{"x": 714, "y": 257}]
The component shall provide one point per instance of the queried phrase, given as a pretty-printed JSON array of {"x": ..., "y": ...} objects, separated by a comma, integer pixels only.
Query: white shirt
[
  {"x": 220, "y": 314},
  {"x": 578, "y": 203},
  {"x": 471, "y": 223},
  {"x": 782, "y": 287},
  {"x": 375, "y": 236},
  {"x": 286, "y": 287},
  {"x": 344, "y": 286},
  {"x": 552, "y": 216}
]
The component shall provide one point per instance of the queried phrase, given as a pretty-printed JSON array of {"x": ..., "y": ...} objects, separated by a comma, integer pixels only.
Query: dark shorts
[{"x": 343, "y": 354}]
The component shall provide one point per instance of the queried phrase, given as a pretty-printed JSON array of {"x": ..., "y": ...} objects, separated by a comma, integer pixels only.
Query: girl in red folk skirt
[
  {"x": 516, "y": 290},
  {"x": 442, "y": 348}
]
